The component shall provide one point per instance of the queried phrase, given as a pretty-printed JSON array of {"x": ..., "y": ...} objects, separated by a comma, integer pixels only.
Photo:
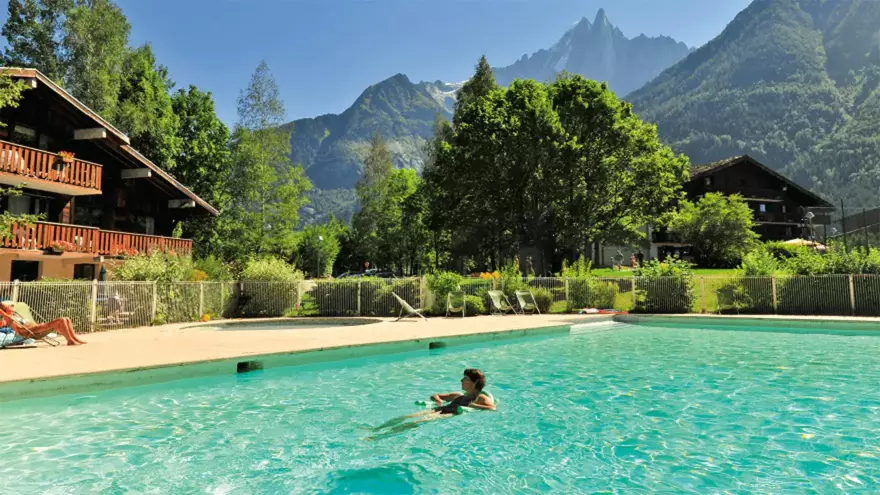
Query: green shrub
[
  {"x": 441, "y": 284},
  {"x": 474, "y": 305},
  {"x": 664, "y": 287},
  {"x": 270, "y": 269},
  {"x": 259, "y": 299},
  {"x": 760, "y": 263},
  {"x": 155, "y": 267},
  {"x": 512, "y": 279},
  {"x": 590, "y": 292},
  {"x": 543, "y": 298},
  {"x": 214, "y": 268}
]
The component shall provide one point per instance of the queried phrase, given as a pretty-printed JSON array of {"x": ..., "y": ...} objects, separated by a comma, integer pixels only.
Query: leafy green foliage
[
  {"x": 270, "y": 269},
  {"x": 440, "y": 284},
  {"x": 720, "y": 228},
  {"x": 145, "y": 111},
  {"x": 155, "y": 267},
  {"x": 555, "y": 167},
  {"x": 387, "y": 229},
  {"x": 664, "y": 286},
  {"x": 759, "y": 263},
  {"x": 33, "y": 31},
  {"x": 95, "y": 39},
  {"x": 319, "y": 246},
  {"x": 543, "y": 298},
  {"x": 266, "y": 192},
  {"x": 474, "y": 305},
  {"x": 214, "y": 268}
]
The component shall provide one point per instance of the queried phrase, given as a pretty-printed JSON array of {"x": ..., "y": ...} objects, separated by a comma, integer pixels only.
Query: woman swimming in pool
[{"x": 472, "y": 383}]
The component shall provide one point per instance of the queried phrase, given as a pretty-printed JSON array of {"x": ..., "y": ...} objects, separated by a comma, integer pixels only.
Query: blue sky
[{"x": 324, "y": 53}]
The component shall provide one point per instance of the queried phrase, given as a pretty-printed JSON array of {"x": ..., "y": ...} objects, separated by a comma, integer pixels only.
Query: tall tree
[
  {"x": 372, "y": 194},
  {"x": 34, "y": 33},
  {"x": 203, "y": 159},
  {"x": 145, "y": 111},
  {"x": 203, "y": 162},
  {"x": 719, "y": 228},
  {"x": 95, "y": 47},
  {"x": 266, "y": 189},
  {"x": 479, "y": 86}
]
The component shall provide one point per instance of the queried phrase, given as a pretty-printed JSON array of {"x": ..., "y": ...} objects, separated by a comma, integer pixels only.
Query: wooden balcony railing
[
  {"x": 41, "y": 235},
  {"x": 39, "y": 164}
]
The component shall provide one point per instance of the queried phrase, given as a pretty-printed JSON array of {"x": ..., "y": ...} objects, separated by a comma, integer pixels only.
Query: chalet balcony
[
  {"x": 47, "y": 171},
  {"x": 778, "y": 218},
  {"x": 91, "y": 240}
]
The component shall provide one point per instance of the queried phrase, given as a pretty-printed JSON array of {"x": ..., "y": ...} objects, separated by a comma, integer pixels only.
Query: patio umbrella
[{"x": 804, "y": 242}]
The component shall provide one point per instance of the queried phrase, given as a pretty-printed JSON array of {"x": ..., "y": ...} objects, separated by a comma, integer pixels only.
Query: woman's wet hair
[{"x": 477, "y": 377}]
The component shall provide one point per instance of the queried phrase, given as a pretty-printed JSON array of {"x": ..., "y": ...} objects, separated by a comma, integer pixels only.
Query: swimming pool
[{"x": 621, "y": 409}]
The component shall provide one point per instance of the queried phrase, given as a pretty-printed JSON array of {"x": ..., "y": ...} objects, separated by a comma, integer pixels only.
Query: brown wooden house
[
  {"x": 106, "y": 201},
  {"x": 779, "y": 204}
]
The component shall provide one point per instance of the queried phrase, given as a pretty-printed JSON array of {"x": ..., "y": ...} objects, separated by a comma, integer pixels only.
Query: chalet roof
[
  {"x": 123, "y": 143},
  {"x": 699, "y": 171}
]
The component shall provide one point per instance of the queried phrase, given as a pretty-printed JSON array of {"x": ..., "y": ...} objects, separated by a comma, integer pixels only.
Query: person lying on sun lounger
[{"x": 61, "y": 326}]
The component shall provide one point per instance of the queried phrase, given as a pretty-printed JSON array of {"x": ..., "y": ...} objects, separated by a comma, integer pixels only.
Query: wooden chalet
[{"x": 104, "y": 202}]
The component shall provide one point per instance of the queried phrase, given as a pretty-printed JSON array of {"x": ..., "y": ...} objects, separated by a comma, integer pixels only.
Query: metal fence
[{"x": 94, "y": 306}]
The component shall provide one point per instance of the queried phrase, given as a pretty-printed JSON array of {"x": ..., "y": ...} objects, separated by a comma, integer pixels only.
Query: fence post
[
  {"x": 567, "y": 297},
  {"x": 703, "y": 293},
  {"x": 359, "y": 298},
  {"x": 423, "y": 292},
  {"x": 773, "y": 285},
  {"x": 633, "y": 283},
  {"x": 153, "y": 306},
  {"x": 300, "y": 287},
  {"x": 201, "y": 299},
  {"x": 93, "y": 307},
  {"x": 852, "y": 295},
  {"x": 15, "y": 286}
]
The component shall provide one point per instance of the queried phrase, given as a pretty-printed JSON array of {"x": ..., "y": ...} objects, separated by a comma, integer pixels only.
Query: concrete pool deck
[{"x": 185, "y": 343}]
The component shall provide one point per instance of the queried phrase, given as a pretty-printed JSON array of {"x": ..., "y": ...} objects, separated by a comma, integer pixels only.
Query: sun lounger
[
  {"x": 455, "y": 303},
  {"x": 527, "y": 301},
  {"x": 500, "y": 303},
  {"x": 406, "y": 308}
]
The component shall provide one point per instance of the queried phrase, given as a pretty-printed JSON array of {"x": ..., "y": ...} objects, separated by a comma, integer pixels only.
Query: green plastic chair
[
  {"x": 523, "y": 296},
  {"x": 500, "y": 303},
  {"x": 406, "y": 308},
  {"x": 455, "y": 303}
]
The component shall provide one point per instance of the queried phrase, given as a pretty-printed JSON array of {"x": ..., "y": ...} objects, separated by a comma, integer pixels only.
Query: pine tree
[{"x": 479, "y": 86}]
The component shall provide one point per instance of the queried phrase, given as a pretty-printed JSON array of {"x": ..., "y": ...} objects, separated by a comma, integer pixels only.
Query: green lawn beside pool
[{"x": 700, "y": 272}]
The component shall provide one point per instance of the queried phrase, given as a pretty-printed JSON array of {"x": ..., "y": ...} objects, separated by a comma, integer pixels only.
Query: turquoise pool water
[{"x": 631, "y": 410}]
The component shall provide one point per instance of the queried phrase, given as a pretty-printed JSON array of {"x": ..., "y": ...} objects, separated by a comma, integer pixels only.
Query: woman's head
[{"x": 473, "y": 380}]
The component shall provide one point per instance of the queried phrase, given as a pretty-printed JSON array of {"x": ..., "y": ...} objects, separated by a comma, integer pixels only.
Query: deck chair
[
  {"x": 455, "y": 303},
  {"x": 523, "y": 296},
  {"x": 500, "y": 303},
  {"x": 409, "y": 310},
  {"x": 27, "y": 316}
]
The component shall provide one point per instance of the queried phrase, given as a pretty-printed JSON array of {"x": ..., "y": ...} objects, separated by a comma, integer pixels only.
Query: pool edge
[{"x": 49, "y": 386}]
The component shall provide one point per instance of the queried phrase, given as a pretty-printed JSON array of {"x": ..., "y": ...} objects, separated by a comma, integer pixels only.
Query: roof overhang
[
  {"x": 118, "y": 139},
  {"x": 820, "y": 201}
]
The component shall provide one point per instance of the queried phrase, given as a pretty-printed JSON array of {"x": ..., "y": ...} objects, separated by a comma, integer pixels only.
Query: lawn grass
[{"x": 699, "y": 272}]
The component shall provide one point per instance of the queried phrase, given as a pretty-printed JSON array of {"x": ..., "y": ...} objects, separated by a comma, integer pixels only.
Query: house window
[
  {"x": 784, "y": 210},
  {"x": 707, "y": 181},
  {"x": 762, "y": 208},
  {"x": 24, "y": 135},
  {"x": 84, "y": 271},
  {"x": 28, "y": 205},
  {"x": 26, "y": 271}
]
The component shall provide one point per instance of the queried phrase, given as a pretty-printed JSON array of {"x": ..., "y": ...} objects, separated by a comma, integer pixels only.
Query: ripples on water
[{"x": 636, "y": 410}]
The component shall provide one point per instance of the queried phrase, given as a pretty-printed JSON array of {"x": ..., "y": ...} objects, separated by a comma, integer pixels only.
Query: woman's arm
[
  {"x": 440, "y": 399},
  {"x": 483, "y": 402}
]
